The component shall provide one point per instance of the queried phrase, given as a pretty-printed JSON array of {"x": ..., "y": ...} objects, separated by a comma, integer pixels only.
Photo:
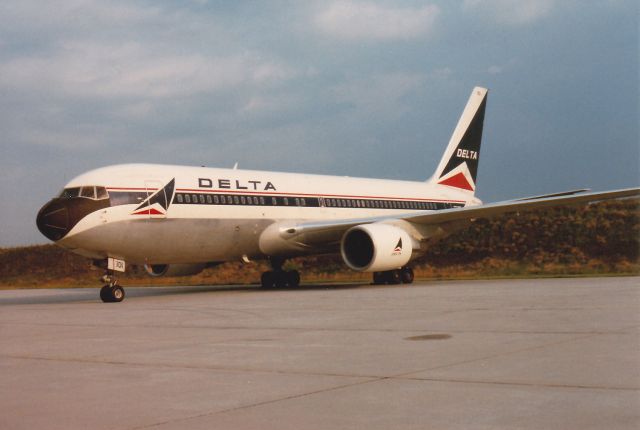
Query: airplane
[{"x": 178, "y": 220}]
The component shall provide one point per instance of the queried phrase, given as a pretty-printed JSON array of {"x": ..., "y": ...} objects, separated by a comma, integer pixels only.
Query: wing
[{"x": 327, "y": 234}]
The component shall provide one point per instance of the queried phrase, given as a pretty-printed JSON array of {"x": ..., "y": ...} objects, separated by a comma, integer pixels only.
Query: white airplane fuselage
[{"x": 215, "y": 215}]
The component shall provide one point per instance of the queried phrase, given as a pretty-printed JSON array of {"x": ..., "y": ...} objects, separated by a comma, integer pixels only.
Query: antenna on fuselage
[{"x": 235, "y": 166}]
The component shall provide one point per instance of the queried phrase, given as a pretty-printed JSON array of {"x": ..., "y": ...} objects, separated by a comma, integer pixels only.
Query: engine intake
[
  {"x": 174, "y": 269},
  {"x": 376, "y": 247}
]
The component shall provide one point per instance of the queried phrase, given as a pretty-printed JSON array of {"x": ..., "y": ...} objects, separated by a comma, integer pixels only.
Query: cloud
[
  {"x": 360, "y": 20},
  {"x": 511, "y": 12},
  {"x": 89, "y": 69}
]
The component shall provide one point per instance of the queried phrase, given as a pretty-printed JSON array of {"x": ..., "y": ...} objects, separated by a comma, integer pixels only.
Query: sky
[{"x": 356, "y": 88}]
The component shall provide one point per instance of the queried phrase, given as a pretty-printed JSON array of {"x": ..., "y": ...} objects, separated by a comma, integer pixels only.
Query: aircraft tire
[
  {"x": 379, "y": 278},
  {"x": 105, "y": 294},
  {"x": 268, "y": 279},
  {"x": 292, "y": 278},
  {"x": 407, "y": 275},
  {"x": 117, "y": 293},
  {"x": 393, "y": 277}
]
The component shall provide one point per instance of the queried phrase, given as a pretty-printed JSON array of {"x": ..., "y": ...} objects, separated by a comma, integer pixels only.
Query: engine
[
  {"x": 376, "y": 247},
  {"x": 174, "y": 269}
]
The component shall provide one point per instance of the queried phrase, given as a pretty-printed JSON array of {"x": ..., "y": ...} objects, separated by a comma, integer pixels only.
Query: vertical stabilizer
[{"x": 459, "y": 165}]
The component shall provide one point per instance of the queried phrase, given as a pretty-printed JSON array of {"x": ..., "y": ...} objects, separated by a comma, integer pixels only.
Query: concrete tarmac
[{"x": 526, "y": 354}]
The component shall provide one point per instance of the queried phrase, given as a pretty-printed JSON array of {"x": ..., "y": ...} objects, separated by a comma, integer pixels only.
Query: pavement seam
[
  {"x": 523, "y": 384},
  {"x": 253, "y": 405},
  {"x": 188, "y": 367}
]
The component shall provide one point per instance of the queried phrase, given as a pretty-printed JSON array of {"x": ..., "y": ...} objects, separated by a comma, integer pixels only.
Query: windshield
[{"x": 89, "y": 192}]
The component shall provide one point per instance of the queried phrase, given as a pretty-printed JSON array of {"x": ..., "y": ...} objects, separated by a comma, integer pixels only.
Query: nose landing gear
[{"x": 111, "y": 292}]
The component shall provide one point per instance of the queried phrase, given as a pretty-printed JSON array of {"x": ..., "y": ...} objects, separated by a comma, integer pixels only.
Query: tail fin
[{"x": 459, "y": 165}]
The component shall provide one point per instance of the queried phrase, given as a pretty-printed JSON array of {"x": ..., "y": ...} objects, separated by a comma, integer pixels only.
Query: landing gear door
[{"x": 157, "y": 201}]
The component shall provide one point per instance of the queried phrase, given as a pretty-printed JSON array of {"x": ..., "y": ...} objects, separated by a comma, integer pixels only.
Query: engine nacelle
[
  {"x": 174, "y": 269},
  {"x": 376, "y": 247}
]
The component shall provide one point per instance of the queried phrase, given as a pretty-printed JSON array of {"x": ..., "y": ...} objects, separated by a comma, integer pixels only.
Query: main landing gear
[
  {"x": 278, "y": 278},
  {"x": 111, "y": 292},
  {"x": 398, "y": 276}
]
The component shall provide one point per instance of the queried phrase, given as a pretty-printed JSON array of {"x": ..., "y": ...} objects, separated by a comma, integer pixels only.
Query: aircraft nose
[{"x": 53, "y": 219}]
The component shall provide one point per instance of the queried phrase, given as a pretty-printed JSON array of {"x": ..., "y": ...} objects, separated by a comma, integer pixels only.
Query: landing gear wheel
[
  {"x": 292, "y": 278},
  {"x": 280, "y": 279},
  {"x": 117, "y": 293},
  {"x": 406, "y": 273},
  {"x": 378, "y": 278},
  {"x": 268, "y": 279},
  {"x": 112, "y": 294},
  {"x": 105, "y": 294},
  {"x": 393, "y": 277}
]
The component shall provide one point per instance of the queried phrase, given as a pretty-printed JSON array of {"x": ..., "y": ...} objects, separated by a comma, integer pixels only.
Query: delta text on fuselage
[{"x": 236, "y": 184}]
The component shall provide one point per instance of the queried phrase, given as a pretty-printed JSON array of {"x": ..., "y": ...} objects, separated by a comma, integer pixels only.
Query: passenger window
[
  {"x": 201, "y": 198},
  {"x": 194, "y": 198},
  {"x": 286, "y": 201},
  {"x": 297, "y": 201},
  {"x": 236, "y": 200},
  {"x": 209, "y": 199},
  {"x": 179, "y": 197},
  {"x": 262, "y": 200},
  {"x": 243, "y": 200},
  {"x": 215, "y": 199},
  {"x": 303, "y": 201},
  {"x": 187, "y": 198}
]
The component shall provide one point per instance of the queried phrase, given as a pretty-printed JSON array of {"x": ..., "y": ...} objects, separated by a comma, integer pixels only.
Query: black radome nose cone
[{"x": 53, "y": 220}]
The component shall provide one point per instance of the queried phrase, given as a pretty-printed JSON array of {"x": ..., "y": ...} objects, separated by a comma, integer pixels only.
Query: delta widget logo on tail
[
  {"x": 158, "y": 203},
  {"x": 461, "y": 169}
]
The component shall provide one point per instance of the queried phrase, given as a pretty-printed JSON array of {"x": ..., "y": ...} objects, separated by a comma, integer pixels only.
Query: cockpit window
[
  {"x": 70, "y": 192},
  {"x": 89, "y": 192},
  {"x": 101, "y": 193}
]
